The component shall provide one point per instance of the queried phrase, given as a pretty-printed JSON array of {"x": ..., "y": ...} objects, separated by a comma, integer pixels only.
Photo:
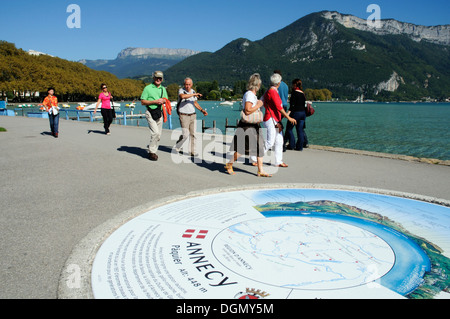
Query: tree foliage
[
  {"x": 172, "y": 91},
  {"x": 20, "y": 71},
  {"x": 318, "y": 95}
]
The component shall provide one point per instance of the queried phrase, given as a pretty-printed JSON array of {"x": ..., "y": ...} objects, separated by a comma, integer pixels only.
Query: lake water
[
  {"x": 414, "y": 129},
  {"x": 409, "y": 257},
  {"x": 420, "y": 130}
]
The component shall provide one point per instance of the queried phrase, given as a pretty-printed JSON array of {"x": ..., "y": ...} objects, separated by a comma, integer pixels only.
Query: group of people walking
[
  {"x": 249, "y": 130},
  {"x": 249, "y": 139},
  {"x": 105, "y": 98}
]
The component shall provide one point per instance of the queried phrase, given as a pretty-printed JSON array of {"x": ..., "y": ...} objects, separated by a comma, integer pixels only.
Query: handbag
[
  {"x": 309, "y": 109},
  {"x": 280, "y": 126},
  {"x": 277, "y": 125},
  {"x": 54, "y": 110},
  {"x": 254, "y": 118},
  {"x": 156, "y": 113}
]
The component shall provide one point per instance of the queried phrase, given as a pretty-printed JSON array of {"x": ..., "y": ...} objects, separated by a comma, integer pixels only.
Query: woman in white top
[{"x": 247, "y": 138}]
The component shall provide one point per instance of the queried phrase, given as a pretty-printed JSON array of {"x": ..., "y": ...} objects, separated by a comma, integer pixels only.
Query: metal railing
[{"x": 77, "y": 115}]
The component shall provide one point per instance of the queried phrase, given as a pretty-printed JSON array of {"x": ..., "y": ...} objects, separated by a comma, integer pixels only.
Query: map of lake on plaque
[
  {"x": 329, "y": 254},
  {"x": 279, "y": 243}
]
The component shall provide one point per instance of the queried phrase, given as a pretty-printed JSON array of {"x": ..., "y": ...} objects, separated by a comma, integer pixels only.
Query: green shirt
[{"x": 152, "y": 92}]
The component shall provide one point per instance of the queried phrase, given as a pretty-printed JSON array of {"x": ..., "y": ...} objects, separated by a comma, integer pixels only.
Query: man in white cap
[{"x": 153, "y": 98}]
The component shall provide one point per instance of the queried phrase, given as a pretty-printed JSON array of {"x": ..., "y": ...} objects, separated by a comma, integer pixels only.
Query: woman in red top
[
  {"x": 272, "y": 120},
  {"x": 105, "y": 99}
]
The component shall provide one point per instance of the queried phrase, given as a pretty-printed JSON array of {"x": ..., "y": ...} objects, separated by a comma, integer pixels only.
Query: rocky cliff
[
  {"x": 144, "y": 53},
  {"x": 435, "y": 34},
  {"x": 131, "y": 62},
  {"x": 343, "y": 53}
]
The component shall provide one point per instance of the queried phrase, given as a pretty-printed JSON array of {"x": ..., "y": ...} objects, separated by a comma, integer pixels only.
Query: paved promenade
[{"x": 54, "y": 192}]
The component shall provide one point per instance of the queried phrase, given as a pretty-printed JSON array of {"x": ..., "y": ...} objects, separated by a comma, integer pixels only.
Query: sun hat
[{"x": 158, "y": 74}]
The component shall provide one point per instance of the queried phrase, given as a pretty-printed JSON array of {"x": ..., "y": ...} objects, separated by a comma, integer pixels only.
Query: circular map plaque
[
  {"x": 304, "y": 253},
  {"x": 279, "y": 243}
]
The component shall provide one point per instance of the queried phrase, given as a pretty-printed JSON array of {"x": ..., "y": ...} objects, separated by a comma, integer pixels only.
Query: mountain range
[
  {"x": 340, "y": 52},
  {"x": 131, "y": 62}
]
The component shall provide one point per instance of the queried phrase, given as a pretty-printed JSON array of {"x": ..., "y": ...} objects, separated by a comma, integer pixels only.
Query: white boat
[
  {"x": 131, "y": 105},
  {"x": 227, "y": 103},
  {"x": 91, "y": 107}
]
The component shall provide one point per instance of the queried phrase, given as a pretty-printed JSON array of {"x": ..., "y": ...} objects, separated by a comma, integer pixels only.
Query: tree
[
  {"x": 22, "y": 72},
  {"x": 240, "y": 87},
  {"x": 213, "y": 95},
  {"x": 215, "y": 86},
  {"x": 204, "y": 88},
  {"x": 318, "y": 95},
  {"x": 172, "y": 91},
  {"x": 225, "y": 94},
  {"x": 328, "y": 94}
]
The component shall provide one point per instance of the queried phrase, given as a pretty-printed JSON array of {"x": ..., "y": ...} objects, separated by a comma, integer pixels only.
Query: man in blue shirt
[{"x": 283, "y": 91}]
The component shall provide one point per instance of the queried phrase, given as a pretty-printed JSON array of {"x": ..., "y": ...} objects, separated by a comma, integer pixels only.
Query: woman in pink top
[{"x": 105, "y": 99}]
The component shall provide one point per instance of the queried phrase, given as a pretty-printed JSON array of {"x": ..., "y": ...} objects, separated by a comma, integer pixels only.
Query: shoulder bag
[
  {"x": 254, "y": 118},
  {"x": 309, "y": 109},
  {"x": 156, "y": 113}
]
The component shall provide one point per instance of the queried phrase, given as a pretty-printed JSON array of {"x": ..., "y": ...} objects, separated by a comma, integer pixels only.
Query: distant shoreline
[
  {"x": 409, "y": 158},
  {"x": 328, "y": 102}
]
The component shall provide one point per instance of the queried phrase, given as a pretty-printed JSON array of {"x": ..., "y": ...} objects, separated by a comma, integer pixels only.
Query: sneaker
[{"x": 153, "y": 156}]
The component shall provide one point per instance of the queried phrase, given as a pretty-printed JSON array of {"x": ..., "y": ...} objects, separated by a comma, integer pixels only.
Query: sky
[{"x": 100, "y": 29}]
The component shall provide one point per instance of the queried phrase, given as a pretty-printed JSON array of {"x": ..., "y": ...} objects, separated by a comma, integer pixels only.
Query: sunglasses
[{"x": 105, "y": 87}]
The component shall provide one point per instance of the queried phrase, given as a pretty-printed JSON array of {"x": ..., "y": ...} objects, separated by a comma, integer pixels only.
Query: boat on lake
[
  {"x": 81, "y": 106},
  {"x": 91, "y": 107}
]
